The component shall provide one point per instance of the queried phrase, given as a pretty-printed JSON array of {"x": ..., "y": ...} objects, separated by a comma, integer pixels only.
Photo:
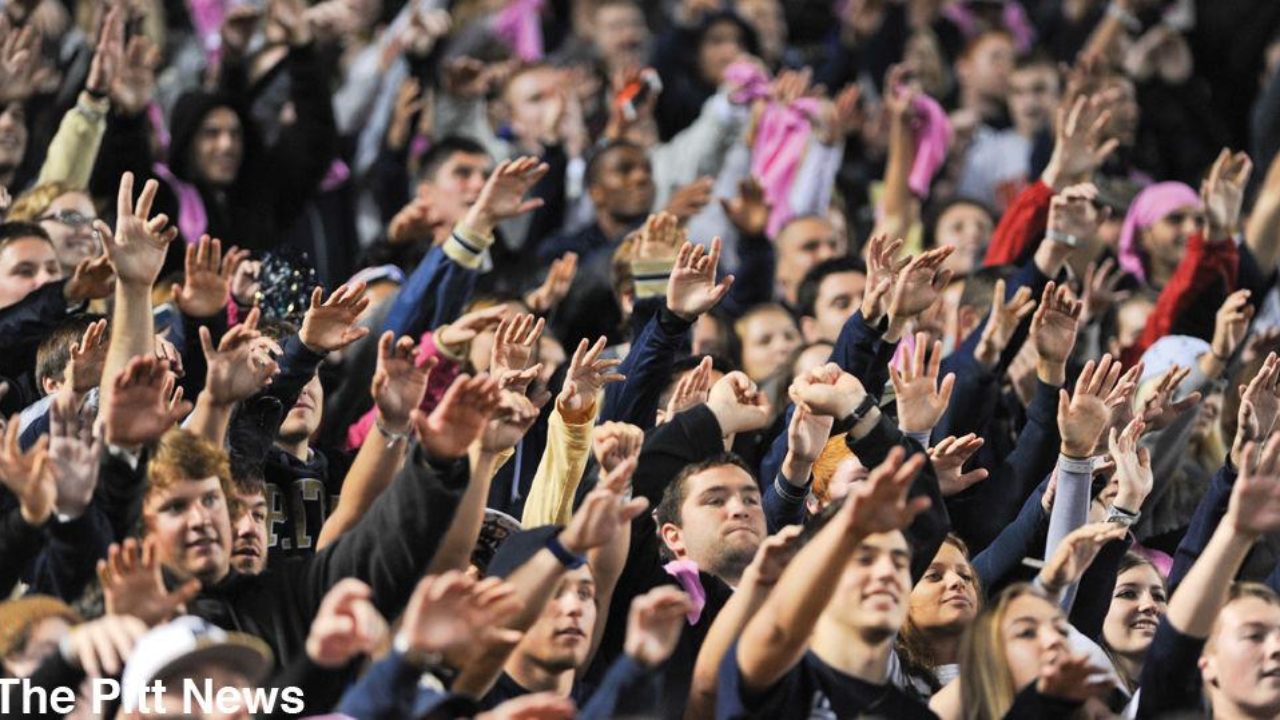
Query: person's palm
[
  {"x": 202, "y": 293},
  {"x": 1054, "y": 335},
  {"x": 326, "y": 327},
  {"x": 459, "y": 418},
  {"x": 808, "y": 433},
  {"x": 1255, "y": 500},
  {"x": 1084, "y": 421},
  {"x": 134, "y": 82},
  {"x": 28, "y": 476},
  {"x": 74, "y": 453},
  {"x": 136, "y": 252},
  {"x": 399, "y": 383},
  {"x": 692, "y": 289}
]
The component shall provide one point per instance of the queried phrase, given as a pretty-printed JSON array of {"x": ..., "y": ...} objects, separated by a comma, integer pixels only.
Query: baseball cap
[{"x": 186, "y": 643}]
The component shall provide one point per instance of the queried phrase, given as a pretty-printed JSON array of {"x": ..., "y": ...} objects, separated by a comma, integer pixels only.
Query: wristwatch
[{"x": 571, "y": 561}]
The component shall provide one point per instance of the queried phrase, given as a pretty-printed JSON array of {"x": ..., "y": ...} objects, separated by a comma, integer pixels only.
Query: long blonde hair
[{"x": 986, "y": 682}]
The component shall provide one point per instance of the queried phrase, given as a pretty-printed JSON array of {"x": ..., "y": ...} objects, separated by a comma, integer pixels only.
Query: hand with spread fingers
[
  {"x": 604, "y": 512},
  {"x": 1080, "y": 145},
  {"x": 1084, "y": 414},
  {"x": 514, "y": 343},
  {"x": 242, "y": 364},
  {"x": 1101, "y": 290},
  {"x": 881, "y": 504},
  {"x": 331, "y": 325},
  {"x": 556, "y": 286},
  {"x": 948, "y": 458},
  {"x": 102, "y": 647},
  {"x": 654, "y": 625},
  {"x": 459, "y": 419},
  {"x": 399, "y": 381},
  {"x": 692, "y": 288},
  {"x": 133, "y": 584},
  {"x": 921, "y": 400},
  {"x": 87, "y": 358},
  {"x": 1223, "y": 193},
  {"x": 144, "y": 404},
  {"x": 1053, "y": 330},
  {"x": 28, "y": 476},
  {"x": 1076, "y": 552},
  {"x": 883, "y": 266},
  {"x": 918, "y": 285},
  {"x": 586, "y": 378},
  {"x": 207, "y": 281},
  {"x": 1133, "y": 466},
  {"x": 75, "y": 451},
  {"x": 503, "y": 194},
  {"x": 1254, "y": 507},
  {"x": 1002, "y": 323},
  {"x": 749, "y": 209},
  {"x": 449, "y": 613}
]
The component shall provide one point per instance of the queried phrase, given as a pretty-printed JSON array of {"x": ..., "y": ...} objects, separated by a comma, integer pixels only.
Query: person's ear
[
  {"x": 49, "y": 385},
  {"x": 596, "y": 193},
  {"x": 811, "y": 504},
  {"x": 809, "y": 329},
  {"x": 673, "y": 538},
  {"x": 627, "y": 301},
  {"x": 1208, "y": 670}
]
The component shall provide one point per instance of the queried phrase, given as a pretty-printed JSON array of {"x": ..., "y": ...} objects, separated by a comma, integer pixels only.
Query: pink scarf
[
  {"x": 1014, "y": 19},
  {"x": 192, "y": 218},
  {"x": 520, "y": 26},
  {"x": 686, "y": 573},
  {"x": 1147, "y": 208}
]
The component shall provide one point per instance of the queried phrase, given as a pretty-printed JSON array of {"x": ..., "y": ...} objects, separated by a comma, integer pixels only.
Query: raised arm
[
  {"x": 399, "y": 383},
  {"x": 776, "y": 638},
  {"x": 240, "y": 367}
]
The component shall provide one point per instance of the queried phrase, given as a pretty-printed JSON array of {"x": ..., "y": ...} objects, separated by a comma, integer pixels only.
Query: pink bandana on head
[
  {"x": 1147, "y": 208},
  {"x": 519, "y": 24}
]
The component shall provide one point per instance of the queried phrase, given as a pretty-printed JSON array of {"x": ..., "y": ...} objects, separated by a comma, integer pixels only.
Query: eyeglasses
[{"x": 70, "y": 218}]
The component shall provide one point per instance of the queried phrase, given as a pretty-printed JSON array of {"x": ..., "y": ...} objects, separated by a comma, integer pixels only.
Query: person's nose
[{"x": 736, "y": 507}]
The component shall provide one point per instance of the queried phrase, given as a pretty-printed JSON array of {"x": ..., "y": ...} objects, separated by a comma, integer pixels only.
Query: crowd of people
[{"x": 674, "y": 359}]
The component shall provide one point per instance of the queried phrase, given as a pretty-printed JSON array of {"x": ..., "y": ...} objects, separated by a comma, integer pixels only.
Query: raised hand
[
  {"x": 238, "y": 27},
  {"x": 948, "y": 458},
  {"x": 1083, "y": 415},
  {"x": 244, "y": 282},
  {"x": 827, "y": 390},
  {"x": 1073, "y": 677},
  {"x": 612, "y": 443},
  {"x": 346, "y": 625},
  {"x": 92, "y": 279},
  {"x": 807, "y": 435},
  {"x": 19, "y": 62},
  {"x": 449, "y": 613},
  {"x": 1254, "y": 508},
  {"x": 1080, "y": 145},
  {"x": 416, "y": 222},
  {"x": 692, "y": 288},
  {"x": 27, "y": 475},
  {"x": 883, "y": 266},
  {"x": 1053, "y": 330},
  {"x": 331, "y": 325},
  {"x": 654, "y": 624},
  {"x": 738, "y": 404},
  {"x": 773, "y": 556},
  {"x": 919, "y": 284},
  {"x": 1223, "y": 193},
  {"x": 513, "y": 418},
  {"x": 1002, "y": 323},
  {"x": 1263, "y": 394},
  {"x": 1160, "y": 410},
  {"x": 921, "y": 401},
  {"x": 556, "y": 286},
  {"x": 1133, "y": 466},
  {"x": 87, "y": 358},
  {"x": 460, "y": 417},
  {"x": 1076, "y": 552},
  {"x": 660, "y": 239},
  {"x": 1101, "y": 290},
  {"x": 1230, "y": 325},
  {"x": 207, "y": 281},
  {"x": 604, "y": 512},
  {"x": 538, "y": 706},
  {"x": 586, "y": 378},
  {"x": 133, "y": 84},
  {"x": 1073, "y": 216},
  {"x": 513, "y": 344},
  {"x": 101, "y": 647},
  {"x": 138, "y": 246},
  {"x": 399, "y": 382},
  {"x": 455, "y": 336},
  {"x": 132, "y": 584},
  {"x": 242, "y": 364},
  {"x": 691, "y": 390},
  {"x": 749, "y": 209},
  {"x": 74, "y": 453},
  {"x": 143, "y": 405},
  {"x": 503, "y": 194},
  {"x": 880, "y": 504},
  {"x": 688, "y": 200}
]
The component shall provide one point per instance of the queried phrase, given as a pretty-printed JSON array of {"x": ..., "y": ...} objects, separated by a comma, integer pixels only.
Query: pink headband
[{"x": 1147, "y": 208}]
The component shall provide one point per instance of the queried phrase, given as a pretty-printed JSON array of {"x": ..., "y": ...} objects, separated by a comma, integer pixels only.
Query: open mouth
[
  {"x": 1143, "y": 625},
  {"x": 573, "y": 632}
]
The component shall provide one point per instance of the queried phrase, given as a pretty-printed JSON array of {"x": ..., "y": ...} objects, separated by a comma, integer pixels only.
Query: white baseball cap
[{"x": 185, "y": 643}]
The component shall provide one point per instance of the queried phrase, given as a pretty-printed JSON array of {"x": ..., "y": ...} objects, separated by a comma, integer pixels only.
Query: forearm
[
  {"x": 1014, "y": 542},
  {"x": 1070, "y": 509},
  {"x": 210, "y": 420},
  {"x": 1194, "y": 606},
  {"x": 20, "y": 540},
  {"x": 371, "y": 473},
  {"x": 745, "y": 602},
  {"x": 898, "y": 204},
  {"x": 464, "y": 530},
  {"x": 629, "y": 689},
  {"x": 783, "y": 498},
  {"x": 1204, "y": 523},
  {"x": 811, "y": 187},
  {"x": 132, "y": 333},
  {"x": 550, "y": 500}
]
